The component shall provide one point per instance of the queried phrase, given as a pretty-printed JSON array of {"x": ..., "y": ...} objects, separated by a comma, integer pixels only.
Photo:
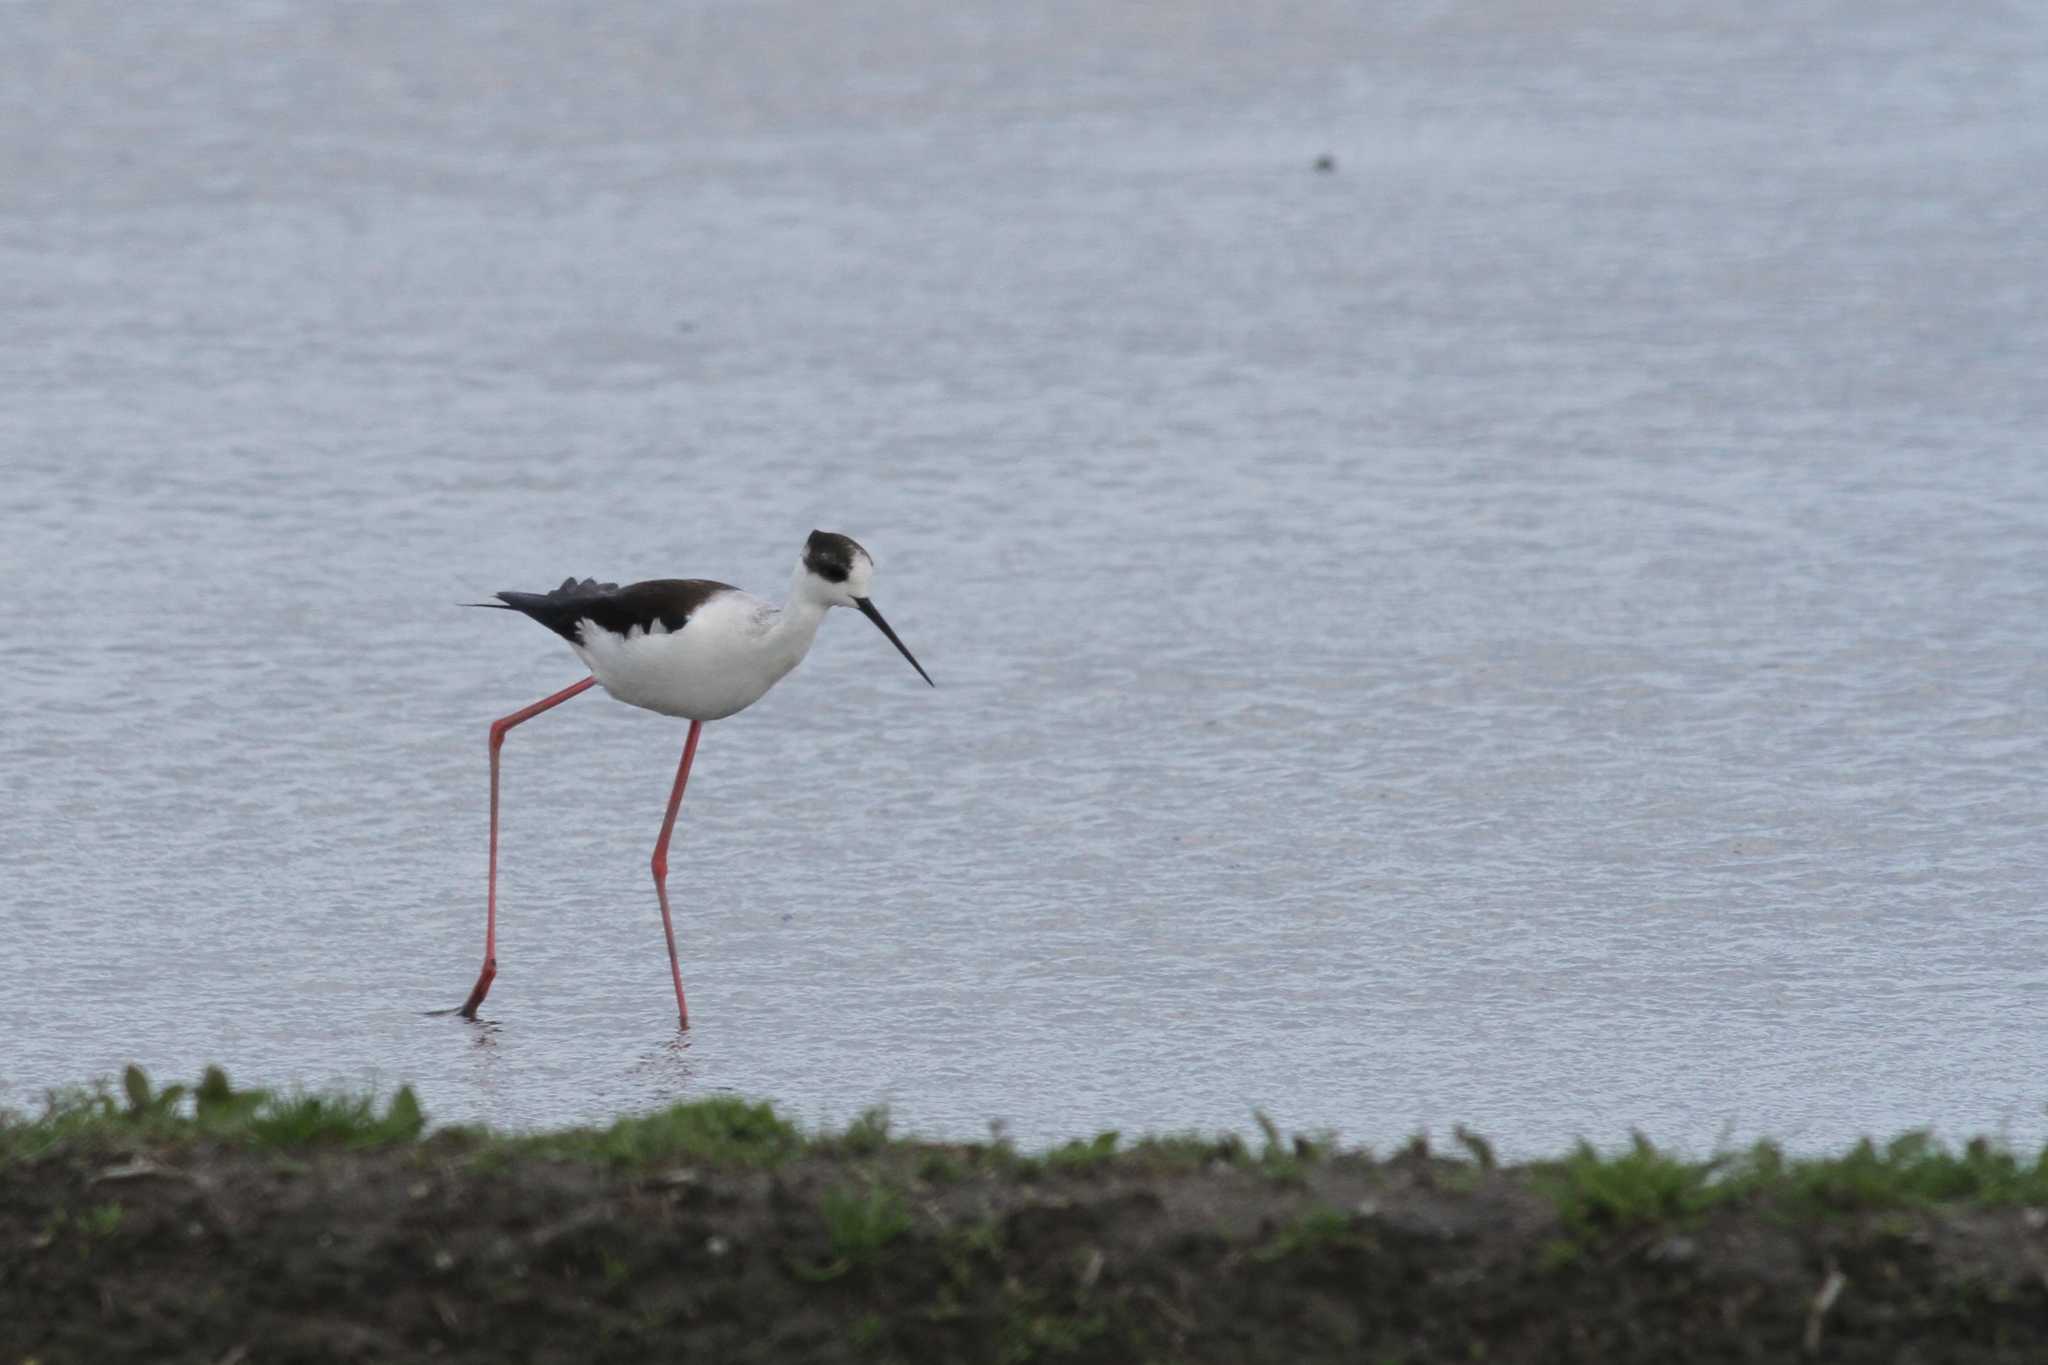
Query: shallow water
[{"x": 1539, "y": 627}]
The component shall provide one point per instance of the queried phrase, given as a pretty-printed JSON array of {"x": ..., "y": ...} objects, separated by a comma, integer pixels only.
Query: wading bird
[{"x": 684, "y": 647}]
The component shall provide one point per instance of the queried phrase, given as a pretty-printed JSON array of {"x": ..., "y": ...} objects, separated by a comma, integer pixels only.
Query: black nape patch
[
  {"x": 668, "y": 602},
  {"x": 830, "y": 555}
]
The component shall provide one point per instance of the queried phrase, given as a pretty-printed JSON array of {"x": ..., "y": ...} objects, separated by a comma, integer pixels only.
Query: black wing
[{"x": 667, "y": 602}]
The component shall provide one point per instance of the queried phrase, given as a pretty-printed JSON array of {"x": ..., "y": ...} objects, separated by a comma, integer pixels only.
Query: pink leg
[
  {"x": 498, "y": 729},
  {"x": 668, "y": 824}
]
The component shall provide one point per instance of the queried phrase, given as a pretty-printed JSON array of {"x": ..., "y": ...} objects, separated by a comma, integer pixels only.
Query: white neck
[{"x": 796, "y": 622}]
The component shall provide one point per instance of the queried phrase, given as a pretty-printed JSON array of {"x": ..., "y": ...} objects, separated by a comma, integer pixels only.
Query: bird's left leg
[
  {"x": 498, "y": 729},
  {"x": 668, "y": 824}
]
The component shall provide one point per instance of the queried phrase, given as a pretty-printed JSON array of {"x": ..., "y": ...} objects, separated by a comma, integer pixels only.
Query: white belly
[{"x": 727, "y": 656}]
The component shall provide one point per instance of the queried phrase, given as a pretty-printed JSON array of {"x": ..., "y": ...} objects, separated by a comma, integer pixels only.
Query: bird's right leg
[
  {"x": 498, "y": 729},
  {"x": 660, "y": 865}
]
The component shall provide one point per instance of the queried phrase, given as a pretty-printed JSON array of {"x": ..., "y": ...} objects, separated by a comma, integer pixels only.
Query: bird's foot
[{"x": 467, "y": 1009}]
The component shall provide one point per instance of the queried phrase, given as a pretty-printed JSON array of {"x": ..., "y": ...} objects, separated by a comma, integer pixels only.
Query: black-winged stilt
[{"x": 685, "y": 647}]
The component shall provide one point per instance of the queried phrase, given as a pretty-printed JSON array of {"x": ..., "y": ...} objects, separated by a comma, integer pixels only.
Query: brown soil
[{"x": 436, "y": 1251}]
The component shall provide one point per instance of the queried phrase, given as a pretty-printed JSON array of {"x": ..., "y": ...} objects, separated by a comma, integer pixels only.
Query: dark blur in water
[{"x": 1540, "y": 627}]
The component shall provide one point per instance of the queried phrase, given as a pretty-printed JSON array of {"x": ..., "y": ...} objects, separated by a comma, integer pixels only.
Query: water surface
[{"x": 1538, "y": 627}]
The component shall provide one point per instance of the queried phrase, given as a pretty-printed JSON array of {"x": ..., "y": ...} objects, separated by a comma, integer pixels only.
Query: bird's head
[
  {"x": 836, "y": 569},
  {"x": 837, "y": 572}
]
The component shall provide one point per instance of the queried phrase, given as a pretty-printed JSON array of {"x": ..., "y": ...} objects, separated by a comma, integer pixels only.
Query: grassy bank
[{"x": 211, "y": 1224}]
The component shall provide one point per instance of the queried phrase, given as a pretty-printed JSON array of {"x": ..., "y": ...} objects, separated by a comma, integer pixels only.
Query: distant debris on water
[{"x": 1326, "y": 163}]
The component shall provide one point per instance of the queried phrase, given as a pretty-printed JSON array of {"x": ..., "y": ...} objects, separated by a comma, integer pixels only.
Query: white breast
[{"x": 732, "y": 650}]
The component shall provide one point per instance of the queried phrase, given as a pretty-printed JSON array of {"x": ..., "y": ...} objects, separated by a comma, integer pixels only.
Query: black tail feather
[{"x": 560, "y": 609}]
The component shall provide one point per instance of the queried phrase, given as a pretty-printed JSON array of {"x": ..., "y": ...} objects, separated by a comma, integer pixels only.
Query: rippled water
[{"x": 1538, "y": 627}]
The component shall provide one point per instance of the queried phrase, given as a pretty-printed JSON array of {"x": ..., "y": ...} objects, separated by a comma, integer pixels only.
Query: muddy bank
[{"x": 172, "y": 1242}]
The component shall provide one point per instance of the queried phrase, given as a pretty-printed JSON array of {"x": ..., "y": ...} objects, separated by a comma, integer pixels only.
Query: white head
[{"x": 837, "y": 572}]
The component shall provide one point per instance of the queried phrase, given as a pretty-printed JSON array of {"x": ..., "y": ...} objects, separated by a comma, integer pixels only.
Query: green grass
[
  {"x": 1084, "y": 1154},
  {"x": 212, "y": 1110},
  {"x": 1317, "y": 1231},
  {"x": 860, "y": 1223},
  {"x": 290, "y": 1122},
  {"x": 1476, "y": 1147},
  {"x": 1643, "y": 1185},
  {"x": 102, "y": 1221},
  {"x": 867, "y": 1134},
  {"x": 1287, "y": 1159},
  {"x": 867, "y": 1331},
  {"x": 940, "y": 1167},
  {"x": 1910, "y": 1170},
  {"x": 721, "y": 1131},
  {"x": 1595, "y": 1191},
  {"x": 1188, "y": 1152}
]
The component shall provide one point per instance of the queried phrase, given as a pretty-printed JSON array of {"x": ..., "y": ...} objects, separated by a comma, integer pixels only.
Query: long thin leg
[
  {"x": 668, "y": 824},
  {"x": 498, "y": 729}
]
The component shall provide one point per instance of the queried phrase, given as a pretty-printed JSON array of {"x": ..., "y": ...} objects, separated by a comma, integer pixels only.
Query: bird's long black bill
[{"x": 867, "y": 609}]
